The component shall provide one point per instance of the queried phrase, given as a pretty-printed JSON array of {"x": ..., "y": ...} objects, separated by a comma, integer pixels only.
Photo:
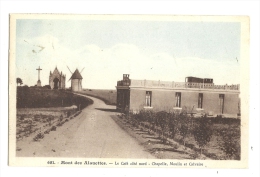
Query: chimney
[{"x": 125, "y": 76}]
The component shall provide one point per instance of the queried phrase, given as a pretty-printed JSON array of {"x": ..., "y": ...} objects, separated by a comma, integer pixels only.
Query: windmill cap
[{"x": 76, "y": 75}]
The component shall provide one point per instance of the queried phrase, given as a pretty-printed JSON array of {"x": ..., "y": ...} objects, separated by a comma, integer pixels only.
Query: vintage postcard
[{"x": 131, "y": 91}]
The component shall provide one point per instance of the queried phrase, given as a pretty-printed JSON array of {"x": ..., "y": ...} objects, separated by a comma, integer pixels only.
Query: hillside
[
  {"x": 44, "y": 98},
  {"x": 108, "y": 96}
]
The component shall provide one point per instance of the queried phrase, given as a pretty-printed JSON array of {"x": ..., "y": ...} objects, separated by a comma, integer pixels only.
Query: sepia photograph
[{"x": 128, "y": 91}]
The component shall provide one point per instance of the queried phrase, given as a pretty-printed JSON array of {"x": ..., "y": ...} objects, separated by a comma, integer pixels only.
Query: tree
[
  {"x": 173, "y": 125},
  {"x": 230, "y": 143},
  {"x": 148, "y": 116},
  {"x": 19, "y": 81},
  {"x": 184, "y": 126},
  {"x": 162, "y": 119},
  {"x": 202, "y": 133}
]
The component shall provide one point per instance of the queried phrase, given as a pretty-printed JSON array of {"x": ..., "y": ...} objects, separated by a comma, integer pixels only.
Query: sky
[{"x": 107, "y": 49}]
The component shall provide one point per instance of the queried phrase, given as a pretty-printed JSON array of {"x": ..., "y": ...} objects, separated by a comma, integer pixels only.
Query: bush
[
  {"x": 47, "y": 131},
  {"x": 173, "y": 126},
  {"x": 187, "y": 128},
  {"x": 176, "y": 146},
  {"x": 47, "y": 87},
  {"x": 53, "y": 128},
  {"x": 61, "y": 117},
  {"x": 229, "y": 143},
  {"x": 184, "y": 126},
  {"x": 149, "y": 116},
  {"x": 22, "y": 117},
  {"x": 162, "y": 120},
  {"x": 38, "y": 136},
  {"x": 202, "y": 133},
  {"x": 194, "y": 156}
]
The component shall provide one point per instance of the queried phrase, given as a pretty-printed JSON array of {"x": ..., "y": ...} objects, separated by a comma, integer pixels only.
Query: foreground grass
[
  {"x": 33, "y": 124},
  {"x": 41, "y": 110}
]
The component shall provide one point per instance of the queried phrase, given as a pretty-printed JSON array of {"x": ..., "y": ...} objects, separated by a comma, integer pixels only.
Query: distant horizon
[
  {"x": 107, "y": 49},
  {"x": 130, "y": 79}
]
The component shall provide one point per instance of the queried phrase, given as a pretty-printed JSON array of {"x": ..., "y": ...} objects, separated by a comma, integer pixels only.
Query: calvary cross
[{"x": 39, "y": 69}]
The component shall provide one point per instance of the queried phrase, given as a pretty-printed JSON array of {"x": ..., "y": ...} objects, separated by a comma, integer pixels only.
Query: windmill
[{"x": 76, "y": 80}]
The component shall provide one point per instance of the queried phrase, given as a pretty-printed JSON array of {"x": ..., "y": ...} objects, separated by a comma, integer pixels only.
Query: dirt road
[{"x": 92, "y": 134}]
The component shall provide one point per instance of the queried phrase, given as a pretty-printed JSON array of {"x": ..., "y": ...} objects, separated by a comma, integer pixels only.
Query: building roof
[
  {"x": 76, "y": 75},
  {"x": 56, "y": 73},
  {"x": 56, "y": 70}
]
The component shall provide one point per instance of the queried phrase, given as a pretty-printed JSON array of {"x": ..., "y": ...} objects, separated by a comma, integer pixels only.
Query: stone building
[
  {"x": 57, "y": 79},
  {"x": 76, "y": 81},
  {"x": 195, "y": 94}
]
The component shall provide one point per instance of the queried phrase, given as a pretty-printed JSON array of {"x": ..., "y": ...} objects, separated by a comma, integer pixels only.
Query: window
[
  {"x": 148, "y": 99},
  {"x": 200, "y": 101},
  {"x": 221, "y": 103},
  {"x": 178, "y": 99}
]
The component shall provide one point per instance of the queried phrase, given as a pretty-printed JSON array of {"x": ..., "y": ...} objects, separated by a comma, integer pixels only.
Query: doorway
[
  {"x": 221, "y": 103},
  {"x": 56, "y": 83}
]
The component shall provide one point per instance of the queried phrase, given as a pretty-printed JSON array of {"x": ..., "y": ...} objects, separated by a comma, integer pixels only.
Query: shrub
[
  {"x": 162, "y": 120},
  {"x": 184, "y": 126},
  {"x": 47, "y": 87},
  {"x": 53, "y": 128},
  {"x": 149, "y": 116},
  {"x": 176, "y": 146},
  {"x": 194, "y": 156},
  {"x": 229, "y": 143},
  {"x": 47, "y": 131},
  {"x": 38, "y": 136},
  {"x": 173, "y": 125},
  {"x": 22, "y": 117},
  {"x": 202, "y": 133},
  {"x": 61, "y": 117}
]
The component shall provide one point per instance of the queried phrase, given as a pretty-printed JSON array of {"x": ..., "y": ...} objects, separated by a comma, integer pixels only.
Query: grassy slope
[
  {"x": 108, "y": 96},
  {"x": 40, "y": 98}
]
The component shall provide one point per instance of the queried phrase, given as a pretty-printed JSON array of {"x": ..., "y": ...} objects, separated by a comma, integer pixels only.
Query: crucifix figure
[{"x": 39, "y": 81}]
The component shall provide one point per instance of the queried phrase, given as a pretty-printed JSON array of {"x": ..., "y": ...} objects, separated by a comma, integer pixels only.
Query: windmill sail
[
  {"x": 82, "y": 70},
  {"x": 69, "y": 69},
  {"x": 76, "y": 75}
]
